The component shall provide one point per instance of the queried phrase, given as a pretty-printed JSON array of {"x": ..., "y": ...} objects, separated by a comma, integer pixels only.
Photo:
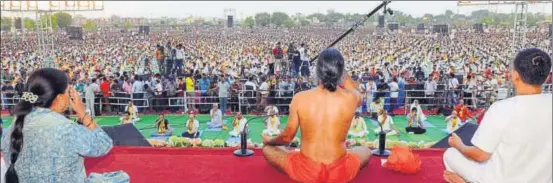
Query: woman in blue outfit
[{"x": 44, "y": 146}]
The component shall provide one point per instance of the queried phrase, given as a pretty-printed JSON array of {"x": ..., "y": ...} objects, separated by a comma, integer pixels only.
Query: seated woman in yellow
[
  {"x": 163, "y": 127},
  {"x": 191, "y": 127},
  {"x": 453, "y": 122},
  {"x": 126, "y": 119},
  {"x": 272, "y": 124},
  {"x": 133, "y": 111},
  {"x": 358, "y": 127},
  {"x": 238, "y": 125}
]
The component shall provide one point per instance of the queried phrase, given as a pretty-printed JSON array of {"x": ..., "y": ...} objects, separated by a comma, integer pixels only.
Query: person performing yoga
[
  {"x": 387, "y": 123},
  {"x": 133, "y": 111},
  {"x": 414, "y": 122},
  {"x": 238, "y": 125},
  {"x": 126, "y": 119},
  {"x": 216, "y": 118},
  {"x": 463, "y": 112},
  {"x": 513, "y": 142},
  {"x": 163, "y": 127},
  {"x": 272, "y": 124},
  {"x": 358, "y": 126},
  {"x": 192, "y": 126},
  {"x": 453, "y": 122},
  {"x": 324, "y": 116}
]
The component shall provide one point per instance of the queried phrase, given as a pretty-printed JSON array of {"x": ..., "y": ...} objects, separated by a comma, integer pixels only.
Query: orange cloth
[
  {"x": 403, "y": 160},
  {"x": 462, "y": 112},
  {"x": 303, "y": 169}
]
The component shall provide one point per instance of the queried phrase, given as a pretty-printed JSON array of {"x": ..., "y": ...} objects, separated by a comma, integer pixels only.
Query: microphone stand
[
  {"x": 383, "y": 4},
  {"x": 244, "y": 151},
  {"x": 381, "y": 151}
]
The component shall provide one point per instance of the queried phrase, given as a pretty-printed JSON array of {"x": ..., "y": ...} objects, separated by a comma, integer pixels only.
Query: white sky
[{"x": 181, "y": 9}]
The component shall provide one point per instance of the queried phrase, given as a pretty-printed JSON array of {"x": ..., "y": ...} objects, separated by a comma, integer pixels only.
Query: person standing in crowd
[
  {"x": 106, "y": 93},
  {"x": 160, "y": 57},
  {"x": 278, "y": 55},
  {"x": 430, "y": 86},
  {"x": 39, "y": 126},
  {"x": 90, "y": 95},
  {"x": 170, "y": 59},
  {"x": 394, "y": 94},
  {"x": 304, "y": 57},
  {"x": 179, "y": 64},
  {"x": 499, "y": 150},
  {"x": 190, "y": 92}
]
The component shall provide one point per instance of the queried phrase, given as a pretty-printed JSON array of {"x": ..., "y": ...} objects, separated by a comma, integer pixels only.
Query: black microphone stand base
[
  {"x": 381, "y": 151},
  {"x": 241, "y": 153}
]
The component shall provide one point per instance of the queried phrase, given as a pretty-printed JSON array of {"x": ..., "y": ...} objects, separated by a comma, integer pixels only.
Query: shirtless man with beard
[{"x": 324, "y": 115}]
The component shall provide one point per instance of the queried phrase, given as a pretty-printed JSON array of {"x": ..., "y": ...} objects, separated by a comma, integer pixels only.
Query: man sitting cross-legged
[
  {"x": 513, "y": 142},
  {"x": 415, "y": 121},
  {"x": 216, "y": 118},
  {"x": 453, "y": 122},
  {"x": 324, "y": 116},
  {"x": 163, "y": 127},
  {"x": 358, "y": 127},
  {"x": 272, "y": 124},
  {"x": 386, "y": 122},
  {"x": 238, "y": 125},
  {"x": 191, "y": 127}
]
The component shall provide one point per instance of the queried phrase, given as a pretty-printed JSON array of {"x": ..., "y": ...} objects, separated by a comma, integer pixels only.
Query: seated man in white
[
  {"x": 513, "y": 141},
  {"x": 272, "y": 124},
  {"x": 416, "y": 104},
  {"x": 126, "y": 119},
  {"x": 375, "y": 106},
  {"x": 216, "y": 118},
  {"x": 238, "y": 125},
  {"x": 387, "y": 123},
  {"x": 358, "y": 127},
  {"x": 133, "y": 110},
  {"x": 163, "y": 127},
  {"x": 191, "y": 127},
  {"x": 453, "y": 122},
  {"x": 415, "y": 122},
  {"x": 271, "y": 107}
]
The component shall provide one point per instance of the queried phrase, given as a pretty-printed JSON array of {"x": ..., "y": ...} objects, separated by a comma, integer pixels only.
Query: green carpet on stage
[{"x": 146, "y": 127}]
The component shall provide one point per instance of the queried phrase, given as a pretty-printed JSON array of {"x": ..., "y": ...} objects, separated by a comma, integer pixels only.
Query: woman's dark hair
[
  {"x": 330, "y": 68},
  {"x": 47, "y": 84},
  {"x": 533, "y": 66}
]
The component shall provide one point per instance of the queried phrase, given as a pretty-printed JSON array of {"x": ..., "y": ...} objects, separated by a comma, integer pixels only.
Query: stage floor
[
  {"x": 145, "y": 125},
  {"x": 202, "y": 165}
]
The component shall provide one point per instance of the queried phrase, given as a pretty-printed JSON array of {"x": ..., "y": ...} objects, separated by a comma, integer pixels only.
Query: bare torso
[{"x": 324, "y": 119}]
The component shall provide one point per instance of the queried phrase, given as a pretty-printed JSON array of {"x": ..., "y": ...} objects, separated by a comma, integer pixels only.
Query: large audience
[{"x": 264, "y": 66}]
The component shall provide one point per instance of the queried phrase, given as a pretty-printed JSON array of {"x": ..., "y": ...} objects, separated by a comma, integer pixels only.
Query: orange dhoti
[{"x": 303, "y": 169}]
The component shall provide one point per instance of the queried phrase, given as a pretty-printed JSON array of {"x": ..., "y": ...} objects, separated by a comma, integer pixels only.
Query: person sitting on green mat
[
  {"x": 238, "y": 125},
  {"x": 453, "y": 122},
  {"x": 415, "y": 121},
  {"x": 126, "y": 119},
  {"x": 375, "y": 106},
  {"x": 358, "y": 127},
  {"x": 387, "y": 123},
  {"x": 163, "y": 127},
  {"x": 272, "y": 124},
  {"x": 216, "y": 118},
  {"x": 192, "y": 126}
]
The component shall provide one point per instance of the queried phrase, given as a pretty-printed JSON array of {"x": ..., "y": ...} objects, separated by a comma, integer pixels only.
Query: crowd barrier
[{"x": 248, "y": 101}]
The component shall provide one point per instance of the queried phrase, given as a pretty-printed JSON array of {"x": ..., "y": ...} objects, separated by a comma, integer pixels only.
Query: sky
[{"x": 181, "y": 9}]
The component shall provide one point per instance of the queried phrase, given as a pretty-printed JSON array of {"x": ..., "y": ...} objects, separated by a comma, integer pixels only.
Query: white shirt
[
  {"x": 179, "y": 54},
  {"x": 90, "y": 90},
  {"x": 194, "y": 128},
  {"x": 264, "y": 86},
  {"x": 3, "y": 170},
  {"x": 393, "y": 89},
  {"x": 517, "y": 133},
  {"x": 303, "y": 55},
  {"x": 389, "y": 121},
  {"x": 453, "y": 83}
]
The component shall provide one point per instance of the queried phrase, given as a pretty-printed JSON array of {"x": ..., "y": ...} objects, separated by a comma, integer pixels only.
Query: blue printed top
[{"x": 54, "y": 148}]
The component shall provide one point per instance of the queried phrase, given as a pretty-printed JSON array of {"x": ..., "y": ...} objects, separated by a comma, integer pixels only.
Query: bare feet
[{"x": 452, "y": 177}]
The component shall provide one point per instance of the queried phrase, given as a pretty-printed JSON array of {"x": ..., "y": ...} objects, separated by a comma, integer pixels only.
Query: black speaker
[
  {"x": 465, "y": 132},
  {"x": 74, "y": 33},
  {"x": 478, "y": 27},
  {"x": 144, "y": 29},
  {"x": 420, "y": 27},
  {"x": 440, "y": 28},
  {"x": 393, "y": 26},
  {"x": 230, "y": 21},
  {"x": 126, "y": 135},
  {"x": 18, "y": 23},
  {"x": 381, "y": 21}
]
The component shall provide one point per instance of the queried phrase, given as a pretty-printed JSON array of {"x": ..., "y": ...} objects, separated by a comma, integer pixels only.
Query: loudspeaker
[
  {"x": 74, "y": 33},
  {"x": 230, "y": 21},
  {"x": 440, "y": 28},
  {"x": 466, "y": 132},
  {"x": 381, "y": 21},
  {"x": 420, "y": 27},
  {"x": 478, "y": 27},
  {"x": 126, "y": 135},
  {"x": 144, "y": 29},
  {"x": 550, "y": 30},
  {"x": 393, "y": 26},
  {"x": 18, "y": 23}
]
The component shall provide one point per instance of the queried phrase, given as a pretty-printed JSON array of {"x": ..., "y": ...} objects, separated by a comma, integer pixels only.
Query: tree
[
  {"x": 127, "y": 25},
  {"x": 29, "y": 24},
  {"x": 248, "y": 22},
  {"x": 263, "y": 19},
  {"x": 63, "y": 19},
  {"x": 333, "y": 17},
  {"x": 289, "y": 23},
  {"x": 304, "y": 22},
  {"x": 279, "y": 18},
  {"x": 6, "y": 23},
  {"x": 44, "y": 21},
  {"x": 90, "y": 25},
  {"x": 319, "y": 16}
]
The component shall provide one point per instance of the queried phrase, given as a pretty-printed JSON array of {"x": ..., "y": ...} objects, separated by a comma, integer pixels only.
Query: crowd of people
[{"x": 266, "y": 66}]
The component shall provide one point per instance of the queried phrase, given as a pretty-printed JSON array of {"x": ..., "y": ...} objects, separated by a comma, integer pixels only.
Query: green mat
[{"x": 256, "y": 126}]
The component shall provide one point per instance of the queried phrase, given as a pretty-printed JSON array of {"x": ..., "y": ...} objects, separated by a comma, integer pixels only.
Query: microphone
[
  {"x": 244, "y": 151},
  {"x": 381, "y": 151}
]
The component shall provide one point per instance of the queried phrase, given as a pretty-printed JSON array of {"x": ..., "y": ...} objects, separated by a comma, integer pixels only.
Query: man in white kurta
[
  {"x": 387, "y": 124},
  {"x": 453, "y": 123},
  {"x": 358, "y": 127},
  {"x": 272, "y": 125},
  {"x": 513, "y": 142},
  {"x": 238, "y": 125}
]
